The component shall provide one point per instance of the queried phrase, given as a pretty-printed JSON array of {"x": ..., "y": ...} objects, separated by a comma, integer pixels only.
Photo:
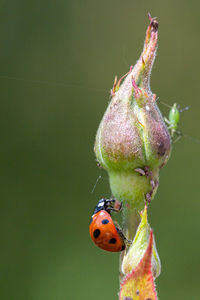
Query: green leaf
[{"x": 139, "y": 284}]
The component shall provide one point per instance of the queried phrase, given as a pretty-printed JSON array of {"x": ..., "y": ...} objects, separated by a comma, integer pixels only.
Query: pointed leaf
[{"x": 139, "y": 284}]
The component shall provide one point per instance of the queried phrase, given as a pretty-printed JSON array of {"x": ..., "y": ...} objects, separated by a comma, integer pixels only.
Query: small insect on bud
[
  {"x": 132, "y": 135},
  {"x": 173, "y": 121}
]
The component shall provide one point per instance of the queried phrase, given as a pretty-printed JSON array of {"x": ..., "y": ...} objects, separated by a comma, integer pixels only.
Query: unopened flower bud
[{"x": 132, "y": 142}]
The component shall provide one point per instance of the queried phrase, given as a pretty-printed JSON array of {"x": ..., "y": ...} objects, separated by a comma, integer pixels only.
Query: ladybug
[{"x": 103, "y": 232}]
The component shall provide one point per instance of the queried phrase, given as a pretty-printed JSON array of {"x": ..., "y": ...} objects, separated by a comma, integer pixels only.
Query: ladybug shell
[{"x": 104, "y": 233}]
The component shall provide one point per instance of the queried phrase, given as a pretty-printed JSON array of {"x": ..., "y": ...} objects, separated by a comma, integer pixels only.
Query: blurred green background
[{"x": 58, "y": 60}]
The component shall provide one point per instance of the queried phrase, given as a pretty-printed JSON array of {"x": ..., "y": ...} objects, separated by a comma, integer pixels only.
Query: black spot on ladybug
[
  {"x": 105, "y": 221},
  {"x": 137, "y": 292},
  {"x": 123, "y": 248},
  {"x": 91, "y": 220},
  {"x": 112, "y": 241},
  {"x": 96, "y": 233}
]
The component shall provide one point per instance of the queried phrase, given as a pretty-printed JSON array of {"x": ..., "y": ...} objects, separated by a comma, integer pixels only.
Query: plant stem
[{"x": 131, "y": 222}]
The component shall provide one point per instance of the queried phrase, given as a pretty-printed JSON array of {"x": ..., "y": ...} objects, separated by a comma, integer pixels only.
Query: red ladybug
[{"x": 102, "y": 229}]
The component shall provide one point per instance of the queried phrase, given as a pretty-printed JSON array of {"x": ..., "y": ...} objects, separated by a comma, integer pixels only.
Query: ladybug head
[
  {"x": 108, "y": 205},
  {"x": 101, "y": 205}
]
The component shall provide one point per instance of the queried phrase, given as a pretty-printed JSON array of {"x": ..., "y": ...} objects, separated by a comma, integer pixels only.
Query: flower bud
[
  {"x": 139, "y": 245},
  {"x": 132, "y": 142}
]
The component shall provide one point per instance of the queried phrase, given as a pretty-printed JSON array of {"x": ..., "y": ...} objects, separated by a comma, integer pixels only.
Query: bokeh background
[{"x": 58, "y": 60}]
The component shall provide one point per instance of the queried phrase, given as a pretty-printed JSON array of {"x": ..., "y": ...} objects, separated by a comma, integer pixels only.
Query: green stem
[
  {"x": 131, "y": 188},
  {"x": 131, "y": 221}
]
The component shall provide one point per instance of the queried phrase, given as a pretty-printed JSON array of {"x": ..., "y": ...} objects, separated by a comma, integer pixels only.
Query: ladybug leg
[
  {"x": 119, "y": 230},
  {"x": 113, "y": 205},
  {"x": 118, "y": 205},
  {"x": 114, "y": 209}
]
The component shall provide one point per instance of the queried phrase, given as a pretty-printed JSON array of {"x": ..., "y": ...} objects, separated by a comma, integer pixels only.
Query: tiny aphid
[{"x": 173, "y": 121}]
